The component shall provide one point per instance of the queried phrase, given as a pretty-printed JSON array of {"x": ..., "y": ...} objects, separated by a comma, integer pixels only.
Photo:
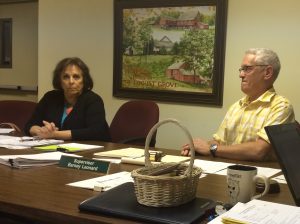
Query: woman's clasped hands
[{"x": 46, "y": 131}]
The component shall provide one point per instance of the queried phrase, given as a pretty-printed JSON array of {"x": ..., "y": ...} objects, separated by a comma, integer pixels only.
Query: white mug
[{"x": 241, "y": 181}]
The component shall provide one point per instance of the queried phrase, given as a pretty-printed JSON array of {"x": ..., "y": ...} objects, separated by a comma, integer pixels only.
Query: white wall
[
  {"x": 85, "y": 29},
  {"x": 25, "y": 60}
]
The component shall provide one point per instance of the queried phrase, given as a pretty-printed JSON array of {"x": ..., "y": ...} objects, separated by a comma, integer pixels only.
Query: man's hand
[{"x": 201, "y": 147}]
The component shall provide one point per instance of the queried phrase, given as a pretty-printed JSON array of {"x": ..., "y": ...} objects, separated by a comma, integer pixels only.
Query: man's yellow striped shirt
[{"x": 245, "y": 121}]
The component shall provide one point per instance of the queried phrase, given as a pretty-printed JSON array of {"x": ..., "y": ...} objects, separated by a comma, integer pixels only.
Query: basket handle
[{"x": 154, "y": 128}]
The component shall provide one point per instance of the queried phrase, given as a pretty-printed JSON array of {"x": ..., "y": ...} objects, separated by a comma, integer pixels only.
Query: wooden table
[{"x": 40, "y": 195}]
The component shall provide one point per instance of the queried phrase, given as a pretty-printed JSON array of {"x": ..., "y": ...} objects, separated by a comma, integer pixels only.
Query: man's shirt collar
[{"x": 264, "y": 98}]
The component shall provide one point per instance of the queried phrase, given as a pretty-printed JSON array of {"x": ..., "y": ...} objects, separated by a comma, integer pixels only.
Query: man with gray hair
[{"x": 241, "y": 135}]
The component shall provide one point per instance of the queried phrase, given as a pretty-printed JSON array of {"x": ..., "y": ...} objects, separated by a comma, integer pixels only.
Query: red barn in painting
[
  {"x": 177, "y": 71},
  {"x": 191, "y": 19}
]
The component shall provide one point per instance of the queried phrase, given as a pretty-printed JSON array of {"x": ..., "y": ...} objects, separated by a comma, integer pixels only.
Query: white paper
[
  {"x": 211, "y": 166},
  {"x": 30, "y": 160},
  {"x": 55, "y": 156},
  {"x": 164, "y": 159},
  {"x": 111, "y": 160},
  {"x": 119, "y": 153},
  {"x": 280, "y": 179},
  {"x": 104, "y": 183},
  {"x": 263, "y": 212},
  {"x": 6, "y": 137},
  {"x": 13, "y": 146},
  {"x": 27, "y": 142},
  {"x": 6, "y": 130},
  {"x": 268, "y": 172},
  {"x": 218, "y": 220}
]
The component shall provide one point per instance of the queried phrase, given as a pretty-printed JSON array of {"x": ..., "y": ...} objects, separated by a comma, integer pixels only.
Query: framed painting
[{"x": 170, "y": 50}]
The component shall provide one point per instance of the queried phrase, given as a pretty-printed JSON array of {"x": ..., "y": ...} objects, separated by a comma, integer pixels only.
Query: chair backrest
[
  {"x": 17, "y": 112},
  {"x": 133, "y": 121}
]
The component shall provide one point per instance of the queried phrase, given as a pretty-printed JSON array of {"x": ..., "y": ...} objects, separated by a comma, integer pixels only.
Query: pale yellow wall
[
  {"x": 84, "y": 28},
  {"x": 25, "y": 60}
]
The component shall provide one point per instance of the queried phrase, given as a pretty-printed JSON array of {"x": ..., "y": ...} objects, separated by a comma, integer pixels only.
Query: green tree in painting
[
  {"x": 196, "y": 50},
  {"x": 128, "y": 32},
  {"x": 144, "y": 36},
  {"x": 175, "y": 48},
  {"x": 137, "y": 35}
]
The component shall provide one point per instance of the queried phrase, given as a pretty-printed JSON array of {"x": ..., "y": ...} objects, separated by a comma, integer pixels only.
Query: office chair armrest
[{"x": 16, "y": 132}]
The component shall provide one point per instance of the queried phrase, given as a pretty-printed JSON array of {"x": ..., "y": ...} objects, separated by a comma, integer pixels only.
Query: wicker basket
[{"x": 161, "y": 190}]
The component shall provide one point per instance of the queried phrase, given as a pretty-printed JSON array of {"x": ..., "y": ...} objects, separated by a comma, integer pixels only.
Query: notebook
[
  {"x": 285, "y": 139},
  {"x": 121, "y": 202}
]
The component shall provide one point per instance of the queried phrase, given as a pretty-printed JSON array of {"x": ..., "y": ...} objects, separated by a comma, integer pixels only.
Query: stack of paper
[
  {"x": 119, "y": 153},
  {"x": 12, "y": 142},
  {"x": 136, "y": 156},
  {"x": 32, "y": 160},
  {"x": 260, "y": 212},
  {"x": 104, "y": 183},
  {"x": 164, "y": 159},
  {"x": 6, "y": 131}
]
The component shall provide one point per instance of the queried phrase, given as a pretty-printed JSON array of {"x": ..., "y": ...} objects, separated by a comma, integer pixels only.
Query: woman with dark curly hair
[{"x": 72, "y": 111}]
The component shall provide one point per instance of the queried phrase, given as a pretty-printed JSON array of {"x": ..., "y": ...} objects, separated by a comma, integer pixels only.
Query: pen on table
[
  {"x": 205, "y": 205},
  {"x": 108, "y": 179},
  {"x": 135, "y": 157},
  {"x": 11, "y": 162},
  {"x": 61, "y": 149}
]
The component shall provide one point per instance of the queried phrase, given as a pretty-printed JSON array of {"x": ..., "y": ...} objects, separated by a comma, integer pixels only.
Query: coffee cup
[{"x": 241, "y": 182}]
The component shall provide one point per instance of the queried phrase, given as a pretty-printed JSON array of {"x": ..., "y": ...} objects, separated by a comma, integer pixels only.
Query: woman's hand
[
  {"x": 50, "y": 126},
  {"x": 44, "y": 132},
  {"x": 49, "y": 130}
]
